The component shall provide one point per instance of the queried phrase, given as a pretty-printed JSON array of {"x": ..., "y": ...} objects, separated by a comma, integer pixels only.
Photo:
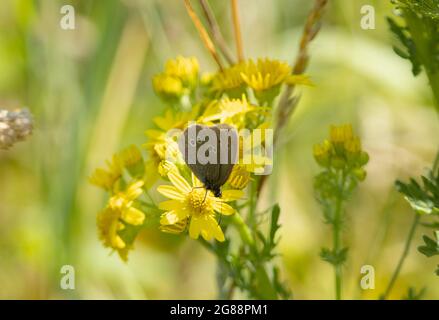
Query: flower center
[{"x": 199, "y": 202}]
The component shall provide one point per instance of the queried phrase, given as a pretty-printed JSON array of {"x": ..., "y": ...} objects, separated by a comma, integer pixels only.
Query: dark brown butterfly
[{"x": 210, "y": 152}]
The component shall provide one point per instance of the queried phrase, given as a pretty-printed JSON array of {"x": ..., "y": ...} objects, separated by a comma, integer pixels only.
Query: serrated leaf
[
  {"x": 334, "y": 257},
  {"x": 275, "y": 213},
  {"x": 431, "y": 247},
  {"x": 409, "y": 48}
]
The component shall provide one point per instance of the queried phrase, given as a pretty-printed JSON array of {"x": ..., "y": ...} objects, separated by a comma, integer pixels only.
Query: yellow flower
[
  {"x": 239, "y": 177},
  {"x": 106, "y": 178},
  {"x": 185, "y": 69},
  {"x": 322, "y": 152},
  {"x": 119, "y": 213},
  {"x": 207, "y": 78},
  {"x": 265, "y": 74},
  {"x": 160, "y": 145},
  {"x": 129, "y": 158},
  {"x": 167, "y": 87},
  {"x": 341, "y": 134},
  {"x": 343, "y": 149},
  {"x": 254, "y": 149},
  {"x": 179, "y": 79},
  {"x": 176, "y": 228},
  {"x": 229, "y": 81},
  {"x": 165, "y": 167},
  {"x": 231, "y": 111},
  {"x": 195, "y": 203},
  {"x": 265, "y": 77}
]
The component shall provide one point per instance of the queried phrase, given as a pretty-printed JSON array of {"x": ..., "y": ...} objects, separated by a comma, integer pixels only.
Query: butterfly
[{"x": 210, "y": 152}]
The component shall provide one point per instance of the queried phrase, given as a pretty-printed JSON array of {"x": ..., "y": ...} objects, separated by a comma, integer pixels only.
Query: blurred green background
[{"x": 90, "y": 92}]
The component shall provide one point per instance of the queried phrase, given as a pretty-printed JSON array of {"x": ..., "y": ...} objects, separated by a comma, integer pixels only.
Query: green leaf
[
  {"x": 275, "y": 213},
  {"x": 423, "y": 199},
  {"x": 431, "y": 247},
  {"x": 408, "y": 50},
  {"x": 426, "y": 8},
  {"x": 334, "y": 257},
  {"x": 270, "y": 242}
]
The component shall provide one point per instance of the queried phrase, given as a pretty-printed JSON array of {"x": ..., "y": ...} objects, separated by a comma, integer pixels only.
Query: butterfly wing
[
  {"x": 223, "y": 143},
  {"x": 228, "y": 148},
  {"x": 189, "y": 146}
]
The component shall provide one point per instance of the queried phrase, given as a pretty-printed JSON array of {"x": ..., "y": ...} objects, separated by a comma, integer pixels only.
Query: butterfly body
[{"x": 210, "y": 152}]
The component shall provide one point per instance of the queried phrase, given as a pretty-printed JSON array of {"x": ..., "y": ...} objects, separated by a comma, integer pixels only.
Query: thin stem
[
  {"x": 288, "y": 102},
  {"x": 216, "y": 32},
  {"x": 203, "y": 33},
  {"x": 237, "y": 30},
  {"x": 244, "y": 230},
  {"x": 337, "y": 241},
  {"x": 252, "y": 205},
  {"x": 403, "y": 256}
]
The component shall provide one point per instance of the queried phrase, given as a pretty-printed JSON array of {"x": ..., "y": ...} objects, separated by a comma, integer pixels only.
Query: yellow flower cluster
[
  {"x": 342, "y": 151},
  {"x": 120, "y": 212},
  {"x": 220, "y": 98},
  {"x": 264, "y": 77}
]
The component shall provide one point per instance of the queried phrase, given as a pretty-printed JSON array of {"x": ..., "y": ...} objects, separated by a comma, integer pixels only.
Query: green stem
[
  {"x": 243, "y": 230},
  {"x": 403, "y": 256},
  {"x": 337, "y": 241},
  {"x": 252, "y": 204}
]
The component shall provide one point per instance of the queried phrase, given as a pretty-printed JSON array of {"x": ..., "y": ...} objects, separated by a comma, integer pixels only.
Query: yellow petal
[
  {"x": 133, "y": 216},
  {"x": 223, "y": 208},
  {"x": 231, "y": 195},
  {"x": 134, "y": 190},
  {"x": 171, "y": 192},
  {"x": 195, "y": 227},
  {"x": 117, "y": 242},
  {"x": 172, "y": 217},
  {"x": 196, "y": 182},
  {"x": 210, "y": 229},
  {"x": 215, "y": 229},
  {"x": 170, "y": 205},
  {"x": 178, "y": 181}
]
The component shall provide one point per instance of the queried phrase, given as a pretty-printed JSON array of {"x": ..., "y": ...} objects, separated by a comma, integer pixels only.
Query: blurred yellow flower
[
  {"x": 160, "y": 145},
  {"x": 165, "y": 167},
  {"x": 231, "y": 111},
  {"x": 183, "y": 68},
  {"x": 342, "y": 150},
  {"x": 229, "y": 81},
  {"x": 106, "y": 178},
  {"x": 196, "y": 203},
  {"x": 265, "y": 77},
  {"x": 129, "y": 158},
  {"x": 341, "y": 134},
  {"x": 175, "y": 228},
  {"x": 254, "y": 149},
  {"x": 265, "y": 74},
  {"x": 179, "y": 78},
  {"x": 239, "y": 177},
  {"x": 167, "y": 87},
  {"x": 119, "y": 213}
]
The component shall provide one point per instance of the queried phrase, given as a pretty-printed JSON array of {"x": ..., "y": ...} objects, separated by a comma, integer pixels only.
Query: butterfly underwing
[{"x": 210, "y": 152}]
